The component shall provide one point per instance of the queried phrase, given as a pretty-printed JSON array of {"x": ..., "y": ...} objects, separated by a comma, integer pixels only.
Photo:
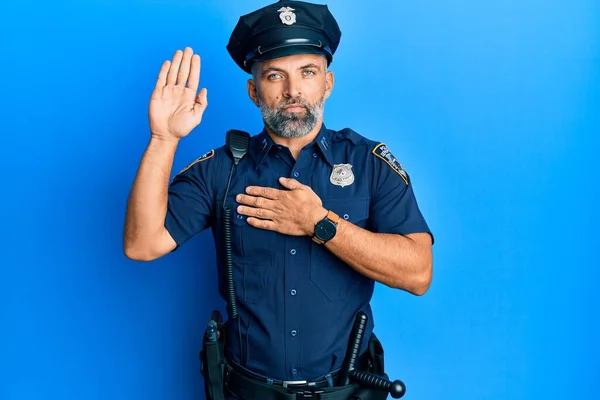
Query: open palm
[{"x": 175, "y": 106}]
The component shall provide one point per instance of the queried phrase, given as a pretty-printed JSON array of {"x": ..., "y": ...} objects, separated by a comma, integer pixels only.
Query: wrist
[
  {"x": 163, "y": 143},
  {"x": 325, "y": 228},
  {"x": 160, "y": 147},
  {"x": 317, "y": 215},
  {"x": 164, "y": 138}
]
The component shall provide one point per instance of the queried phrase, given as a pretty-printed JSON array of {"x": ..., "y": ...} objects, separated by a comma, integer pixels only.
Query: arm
[
  {"x": 145, "y": 237},
  {"x": 174, "y": 111},
  {"x": 398, "y": 261}
]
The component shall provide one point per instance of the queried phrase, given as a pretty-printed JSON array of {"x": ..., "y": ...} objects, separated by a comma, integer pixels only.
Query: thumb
[
  {"x": 290, "y": 183},
  {"x": 201, "y": 101}
]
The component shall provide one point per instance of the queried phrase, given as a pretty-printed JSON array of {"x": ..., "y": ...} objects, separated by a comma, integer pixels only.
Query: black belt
[{"x": 246, "y": 387}]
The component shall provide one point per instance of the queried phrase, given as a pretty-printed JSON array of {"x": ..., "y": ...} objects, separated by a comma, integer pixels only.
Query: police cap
[{"x": 282, "y": 29}]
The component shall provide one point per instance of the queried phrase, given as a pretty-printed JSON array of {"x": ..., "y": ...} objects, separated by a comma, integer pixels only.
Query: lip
[{"x": 294, "y": 107}]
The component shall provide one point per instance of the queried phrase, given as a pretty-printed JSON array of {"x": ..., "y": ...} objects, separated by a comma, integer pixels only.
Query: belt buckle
[
  {"x": 286, "y": 384},
  {"x": 307, "y": 394}
]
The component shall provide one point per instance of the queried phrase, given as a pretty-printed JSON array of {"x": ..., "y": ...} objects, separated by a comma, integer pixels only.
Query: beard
[{"x": 292, "y": 124}]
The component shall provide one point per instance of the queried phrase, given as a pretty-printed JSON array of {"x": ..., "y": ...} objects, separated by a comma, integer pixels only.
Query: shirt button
[
  {"x": 294, "y": 371},
  {"x": 293, "y": 251},
  {"x": 346, "y": 216},
  {"x": 293, "y": 292},
  {"x": 296, "y": 174},
  {"x": 314, "y": 155},
  {"x": 294, "y": 333}
]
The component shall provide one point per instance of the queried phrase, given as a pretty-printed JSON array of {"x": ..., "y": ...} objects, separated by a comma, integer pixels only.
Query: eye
[
  {"x": 309, "y": 72},
  {"x": 273, "y": 76}
]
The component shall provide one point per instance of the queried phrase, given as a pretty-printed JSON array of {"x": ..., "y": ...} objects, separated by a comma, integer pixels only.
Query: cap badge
[
  {"x": 286, "y": 15},
  {"x": 342, "y": 175}
]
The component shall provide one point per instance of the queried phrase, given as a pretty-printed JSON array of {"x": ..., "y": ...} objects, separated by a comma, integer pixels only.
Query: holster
[
  {"x": 212, "y": 359},
  {"x": 375, "y": 365},
  {"x": 375, "y": 351}
]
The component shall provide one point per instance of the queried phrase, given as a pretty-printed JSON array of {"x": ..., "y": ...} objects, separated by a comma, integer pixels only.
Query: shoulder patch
[
  {"x": 382, "y": 151},
  {"x": 203, "y": 157}
]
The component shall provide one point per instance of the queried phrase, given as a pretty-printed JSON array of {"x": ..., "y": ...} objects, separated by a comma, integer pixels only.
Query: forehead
[{"x": 292, "y": 62}]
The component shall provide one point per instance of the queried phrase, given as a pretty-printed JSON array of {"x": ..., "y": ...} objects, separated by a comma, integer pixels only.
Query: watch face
[{"x": 325, "y": 230}]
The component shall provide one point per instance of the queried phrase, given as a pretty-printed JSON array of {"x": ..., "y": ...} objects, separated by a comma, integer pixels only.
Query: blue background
[{"x": 492, "y": 107}]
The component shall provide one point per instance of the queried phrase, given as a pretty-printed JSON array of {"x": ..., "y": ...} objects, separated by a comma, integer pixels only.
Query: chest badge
[{"x": 342, "y": 175}]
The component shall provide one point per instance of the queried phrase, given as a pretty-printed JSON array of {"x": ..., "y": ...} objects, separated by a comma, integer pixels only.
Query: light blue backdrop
[{"x": 492, "y": 107}]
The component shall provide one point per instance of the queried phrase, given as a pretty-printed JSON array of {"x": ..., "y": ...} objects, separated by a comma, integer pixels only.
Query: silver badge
[
  {"x": 286, "y": 15},
  {"x": 342, "y": 175}
]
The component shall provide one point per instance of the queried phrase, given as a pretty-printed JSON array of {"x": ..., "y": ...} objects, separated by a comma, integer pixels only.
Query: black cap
[{"x": 282, "y": 29}]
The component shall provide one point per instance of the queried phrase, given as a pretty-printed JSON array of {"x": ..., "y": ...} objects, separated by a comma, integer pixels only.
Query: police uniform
[{"x": 296, "y": 301}]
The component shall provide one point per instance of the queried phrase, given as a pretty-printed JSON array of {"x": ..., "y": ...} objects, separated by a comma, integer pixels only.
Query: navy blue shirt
[{"x": 297, "y": 301}]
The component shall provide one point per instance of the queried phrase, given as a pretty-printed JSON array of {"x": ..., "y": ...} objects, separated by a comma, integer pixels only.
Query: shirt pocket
[
  {"x": 336, "y": 279},
  {"x": 253, "y": 279}
]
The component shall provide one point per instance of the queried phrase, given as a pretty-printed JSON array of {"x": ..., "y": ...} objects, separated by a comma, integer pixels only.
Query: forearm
[
  {"x": 147, "y": 203},
  {"x": 392, "y": 259}
]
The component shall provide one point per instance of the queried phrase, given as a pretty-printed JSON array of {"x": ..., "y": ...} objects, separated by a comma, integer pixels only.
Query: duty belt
[{"x": 246, "y": 387}]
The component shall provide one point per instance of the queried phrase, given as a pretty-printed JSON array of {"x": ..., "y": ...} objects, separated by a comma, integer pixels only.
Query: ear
[
  {"x": 329, "y": 79},
  {"x": 252, "y": 91}
]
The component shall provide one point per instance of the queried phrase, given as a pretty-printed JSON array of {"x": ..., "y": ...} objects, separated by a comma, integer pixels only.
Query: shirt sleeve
[
  {"x": 190, "y": 199},
  {"x": 394, "y": 207}
]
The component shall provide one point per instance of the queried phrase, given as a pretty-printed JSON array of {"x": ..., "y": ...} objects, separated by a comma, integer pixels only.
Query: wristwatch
[{"x": 326, "y": 228}]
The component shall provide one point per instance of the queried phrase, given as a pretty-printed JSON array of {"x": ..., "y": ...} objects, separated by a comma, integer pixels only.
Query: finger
[
  {"x": 194, "y": 78},
  {"x": 201, "y": 102},
  {"x": 262, "y": 223},
  {"x": 161, "y": 81},
  {"x": 269, "y": 193},
  {"x": 260, "y": 213},
  {"x": 259, "y": 202},
  {"x": 172, "y": 76},
  {"x": 184, "y": 70},
  {"x": 290, "y": 183}
]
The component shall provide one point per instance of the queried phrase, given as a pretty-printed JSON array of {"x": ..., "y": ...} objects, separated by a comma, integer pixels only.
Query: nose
[{"x": 292, "y": 87}]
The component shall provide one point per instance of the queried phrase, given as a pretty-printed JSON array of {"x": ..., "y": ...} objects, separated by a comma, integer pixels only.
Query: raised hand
[{"x": 175, "y": 106}]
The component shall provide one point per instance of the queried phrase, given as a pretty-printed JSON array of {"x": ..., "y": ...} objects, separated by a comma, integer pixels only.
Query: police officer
[{"x": 317, "y": 215}]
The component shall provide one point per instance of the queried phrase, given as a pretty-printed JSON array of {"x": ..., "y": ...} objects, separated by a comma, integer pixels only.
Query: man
[{"x": 317, "y": 215}]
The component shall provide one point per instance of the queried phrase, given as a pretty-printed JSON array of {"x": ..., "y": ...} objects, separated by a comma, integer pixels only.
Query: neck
[{"x": 296, "y": 144}]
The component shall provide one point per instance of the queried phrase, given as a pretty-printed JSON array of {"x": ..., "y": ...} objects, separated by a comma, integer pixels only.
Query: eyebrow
[{"x": 309, "y": 65}]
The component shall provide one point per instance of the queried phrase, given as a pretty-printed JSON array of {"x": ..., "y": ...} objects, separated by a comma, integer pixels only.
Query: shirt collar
[
  {"x": 263, "y": 145},
  {"x": 323, "y": 141}
]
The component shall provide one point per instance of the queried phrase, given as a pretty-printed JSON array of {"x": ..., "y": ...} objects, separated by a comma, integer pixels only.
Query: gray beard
[{"x": 292, "y": 125}]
